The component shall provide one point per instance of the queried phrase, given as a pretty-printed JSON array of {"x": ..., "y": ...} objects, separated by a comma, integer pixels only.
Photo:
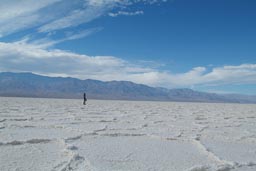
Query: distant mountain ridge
[{"x": 32, "y": 85}]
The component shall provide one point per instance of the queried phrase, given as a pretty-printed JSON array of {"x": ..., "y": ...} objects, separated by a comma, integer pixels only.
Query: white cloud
[
  {"x": 21, "y": 56},
  {"x": 241, "y": 74}
]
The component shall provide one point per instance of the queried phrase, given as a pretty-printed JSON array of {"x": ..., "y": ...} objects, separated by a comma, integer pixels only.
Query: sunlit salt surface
[{"x": 64, "y": 135}]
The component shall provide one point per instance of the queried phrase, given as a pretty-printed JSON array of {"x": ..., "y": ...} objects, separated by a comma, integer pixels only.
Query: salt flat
[{"x": 64, "y": 135}]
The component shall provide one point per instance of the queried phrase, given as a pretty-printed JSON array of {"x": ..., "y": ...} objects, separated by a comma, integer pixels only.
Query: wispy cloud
[
  {"x": 53, "y": 15},
  {"x": 71, "y": 35},
  {"x": 125, "y": 13},
  {"x": 78, "y": 16},
  {"x": 18, "y": 15}
]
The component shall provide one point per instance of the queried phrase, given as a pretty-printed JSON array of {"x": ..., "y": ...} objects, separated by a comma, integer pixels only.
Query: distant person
[{"x": 85, "y": 99}]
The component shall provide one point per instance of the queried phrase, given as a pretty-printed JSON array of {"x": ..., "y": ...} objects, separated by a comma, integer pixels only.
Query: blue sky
[{"x": 207, "y": 45}]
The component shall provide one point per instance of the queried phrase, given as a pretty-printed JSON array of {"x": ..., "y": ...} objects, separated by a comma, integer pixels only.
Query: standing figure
[{"x": 85, "y": 99}]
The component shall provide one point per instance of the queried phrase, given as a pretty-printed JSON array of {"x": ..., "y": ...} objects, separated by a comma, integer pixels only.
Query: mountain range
[{"x": 32, "y": 85}]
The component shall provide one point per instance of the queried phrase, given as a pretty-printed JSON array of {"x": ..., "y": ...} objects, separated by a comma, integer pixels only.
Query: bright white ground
[{"x": 64, "y": 135}]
